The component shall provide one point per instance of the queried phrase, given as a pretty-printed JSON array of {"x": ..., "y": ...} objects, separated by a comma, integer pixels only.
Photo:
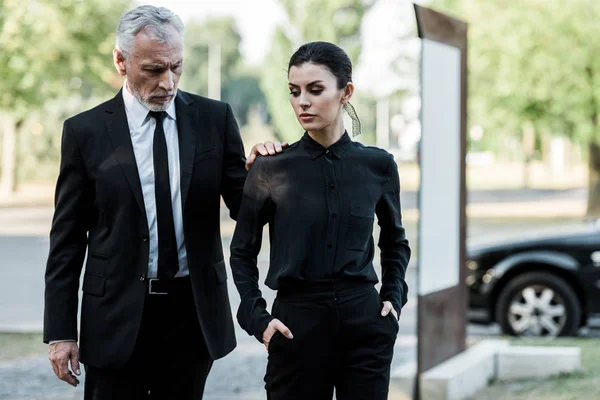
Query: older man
[{"x": 139, "y": 188}]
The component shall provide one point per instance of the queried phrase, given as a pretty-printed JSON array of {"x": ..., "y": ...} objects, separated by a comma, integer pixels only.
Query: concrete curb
[{"x": 463, "y": 375}]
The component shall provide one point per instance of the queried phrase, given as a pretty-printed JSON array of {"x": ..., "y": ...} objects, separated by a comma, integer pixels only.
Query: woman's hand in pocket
[
  {"x": 274, "y": 326},
  {"x": 387, "y": 308}
]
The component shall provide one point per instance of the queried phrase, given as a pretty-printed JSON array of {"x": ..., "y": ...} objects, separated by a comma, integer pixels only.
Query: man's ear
[
  {"x": 119, "y": 61},
  {"x": 348, "y": 92}
]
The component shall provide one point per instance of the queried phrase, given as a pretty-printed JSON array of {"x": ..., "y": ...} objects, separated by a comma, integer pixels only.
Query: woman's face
[{"x": 315, "y": 97}]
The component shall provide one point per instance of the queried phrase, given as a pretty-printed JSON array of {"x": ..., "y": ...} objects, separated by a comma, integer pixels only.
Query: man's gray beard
[{"x": 148, "y": 105}]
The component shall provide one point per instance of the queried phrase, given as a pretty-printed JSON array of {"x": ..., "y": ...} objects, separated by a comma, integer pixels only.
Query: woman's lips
[{"x": 307, "y": 117}]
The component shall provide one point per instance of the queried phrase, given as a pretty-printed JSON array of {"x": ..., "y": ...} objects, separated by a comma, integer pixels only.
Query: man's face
[{"x": 153, "y": 68}]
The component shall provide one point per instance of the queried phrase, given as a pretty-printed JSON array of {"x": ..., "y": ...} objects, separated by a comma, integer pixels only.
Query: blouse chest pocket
[{"x": 359, "y": 227}]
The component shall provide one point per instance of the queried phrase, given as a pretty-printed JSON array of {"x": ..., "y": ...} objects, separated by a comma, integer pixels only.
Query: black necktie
[{"x": 168, "y": 263}]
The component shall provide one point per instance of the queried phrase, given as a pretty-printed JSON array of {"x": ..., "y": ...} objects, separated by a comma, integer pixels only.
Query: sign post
[{"x": 442, "y": 294}]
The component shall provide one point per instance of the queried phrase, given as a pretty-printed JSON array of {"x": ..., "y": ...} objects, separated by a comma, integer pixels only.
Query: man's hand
[
  {"x": 60, "y": 354},
  {"x": 274, "y": 326},
  {"x": 387, "y": 308},
  {"x": 264, "y": 149}
]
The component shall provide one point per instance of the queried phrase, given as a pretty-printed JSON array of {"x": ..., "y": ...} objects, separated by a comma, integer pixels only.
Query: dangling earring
[{"x": 356, "y": 129}]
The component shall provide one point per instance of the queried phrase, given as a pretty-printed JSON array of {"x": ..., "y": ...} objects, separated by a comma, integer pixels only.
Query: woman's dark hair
[{"x": 328, "y": 55}]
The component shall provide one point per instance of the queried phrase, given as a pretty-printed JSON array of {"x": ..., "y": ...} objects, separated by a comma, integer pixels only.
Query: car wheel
[{"x": 538, "y": 304}]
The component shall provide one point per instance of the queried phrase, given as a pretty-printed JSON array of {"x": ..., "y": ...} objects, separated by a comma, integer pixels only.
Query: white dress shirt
[{"x": 141, "y": 129}]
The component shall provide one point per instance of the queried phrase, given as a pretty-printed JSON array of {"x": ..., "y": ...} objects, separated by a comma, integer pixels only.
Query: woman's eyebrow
[{"x": 310, "y": 84}]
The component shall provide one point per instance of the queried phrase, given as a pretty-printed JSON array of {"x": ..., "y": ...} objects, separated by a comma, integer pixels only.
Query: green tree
[
  {"x": 336, "y": 21},
  {"x": 533, "y": 66},
  {"x": 239, "y": 87},
  {"x": 51, "y": 50},
  {"x": 199, "y": 35}
]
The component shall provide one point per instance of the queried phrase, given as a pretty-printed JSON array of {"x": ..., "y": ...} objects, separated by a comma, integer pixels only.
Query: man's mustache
[{"x": 165, "y": 94}]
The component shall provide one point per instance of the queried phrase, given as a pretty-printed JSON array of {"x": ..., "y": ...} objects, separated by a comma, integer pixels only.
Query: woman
[{"x": 328, "y": 327}]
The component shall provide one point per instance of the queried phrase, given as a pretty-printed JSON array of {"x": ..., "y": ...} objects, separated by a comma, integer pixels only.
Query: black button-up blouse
[{"x": 320, "y": 206}]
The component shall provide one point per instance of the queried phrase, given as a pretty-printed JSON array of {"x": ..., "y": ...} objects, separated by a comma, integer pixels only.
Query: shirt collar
[
  {"x": 137, "y": 112},
  {"x": 316, "y": 150}
]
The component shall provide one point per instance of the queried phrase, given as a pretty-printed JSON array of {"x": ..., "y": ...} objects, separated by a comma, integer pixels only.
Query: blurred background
[{"x": 533, "y": 162}]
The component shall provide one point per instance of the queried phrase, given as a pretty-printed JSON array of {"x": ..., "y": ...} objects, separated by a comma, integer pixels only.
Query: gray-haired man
[{"x": 139, "y": 189}]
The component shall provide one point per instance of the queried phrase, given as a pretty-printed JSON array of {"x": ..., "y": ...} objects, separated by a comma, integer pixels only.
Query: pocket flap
[
  {"x": 362, "y": 211},
  {"x": 220, "y": 271},
  {"x": 93, "y": 284}
]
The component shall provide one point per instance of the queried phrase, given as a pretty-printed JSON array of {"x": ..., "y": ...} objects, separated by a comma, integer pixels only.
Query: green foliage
[
  {"x": 242, "y": 92},
  {"x": 198, "y": 37},
  {"x": 239, "y": 87},
  {"x": 532, "y": 61},
  {"x": 56, "y": 56},
  {"x": 336, "y": 21},
  {"x": 52, "y": 49}
]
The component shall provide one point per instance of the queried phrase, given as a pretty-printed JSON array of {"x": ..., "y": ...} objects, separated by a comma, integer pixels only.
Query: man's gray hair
[{"x": 152, "y": 20}]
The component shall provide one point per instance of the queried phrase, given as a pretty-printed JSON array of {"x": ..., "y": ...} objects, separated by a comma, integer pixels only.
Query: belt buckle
[{"x": 151, "y": 290}]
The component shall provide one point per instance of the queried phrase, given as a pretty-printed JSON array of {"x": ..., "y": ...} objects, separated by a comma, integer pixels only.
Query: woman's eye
[
  {"x": 316, "y": 91},
  {"x": 294, "y": 93}
]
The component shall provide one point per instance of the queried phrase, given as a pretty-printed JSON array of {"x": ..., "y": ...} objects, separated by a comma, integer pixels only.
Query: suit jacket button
[
  {"x": 142, "y": 277},
  {"x": 144, "y": 238}
]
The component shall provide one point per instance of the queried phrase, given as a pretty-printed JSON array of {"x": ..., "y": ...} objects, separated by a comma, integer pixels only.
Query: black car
[{"x": 540, "y": 286}]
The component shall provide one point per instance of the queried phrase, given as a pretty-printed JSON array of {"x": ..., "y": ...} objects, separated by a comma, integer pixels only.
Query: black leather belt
[{"x": 167, "y": 286}]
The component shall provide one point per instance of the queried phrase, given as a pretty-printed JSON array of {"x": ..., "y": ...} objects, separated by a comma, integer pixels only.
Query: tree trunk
[
  {"x": 528, "y": 140},
  {"x": 382, "y": 128},
  {"x": 593, "y": 209},
  {"x": 9, "y": 156}
]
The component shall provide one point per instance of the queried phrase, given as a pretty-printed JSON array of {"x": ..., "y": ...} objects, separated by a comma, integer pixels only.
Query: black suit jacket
[{"x": 99, "y": 207}]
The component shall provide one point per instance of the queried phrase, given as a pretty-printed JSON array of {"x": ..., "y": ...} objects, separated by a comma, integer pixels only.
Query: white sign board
[{"x": 439, "y": 197}]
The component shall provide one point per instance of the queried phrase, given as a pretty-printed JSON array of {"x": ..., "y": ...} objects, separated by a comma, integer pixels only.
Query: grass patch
[
  {"x": 17, "y": 345},
  {"x": 582, "y": 385}
]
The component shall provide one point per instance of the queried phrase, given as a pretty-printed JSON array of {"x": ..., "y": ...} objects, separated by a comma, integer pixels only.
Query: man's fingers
[
  {"x": 64, "y": 373},
  {"x": 75, "y": 363},
  {"x": 60, "y": 355},
  {"x": 270, "y": 146},
  {"x": 260, "y": 149},
  {"x": 54, "y": 367},
  {"x": 250, "y": 160}
]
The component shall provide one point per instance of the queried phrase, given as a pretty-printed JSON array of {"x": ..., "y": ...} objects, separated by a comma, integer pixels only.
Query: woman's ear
[{"x": 348, "y": 92}]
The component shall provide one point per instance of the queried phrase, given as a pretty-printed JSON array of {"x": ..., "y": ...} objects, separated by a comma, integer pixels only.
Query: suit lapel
[
  {"x": 186, "y": 128},
  {"x": 118, "y": 132}
]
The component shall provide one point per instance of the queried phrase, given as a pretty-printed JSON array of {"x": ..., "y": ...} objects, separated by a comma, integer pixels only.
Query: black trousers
[
  {"x": 170, "y": 360},
  {"x": 340, "y": 340}
]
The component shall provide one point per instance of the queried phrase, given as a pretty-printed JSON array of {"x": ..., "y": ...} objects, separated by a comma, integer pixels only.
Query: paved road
[
  {"x": 409, "y": 198},
  {"x": 23, "y": 250}
]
